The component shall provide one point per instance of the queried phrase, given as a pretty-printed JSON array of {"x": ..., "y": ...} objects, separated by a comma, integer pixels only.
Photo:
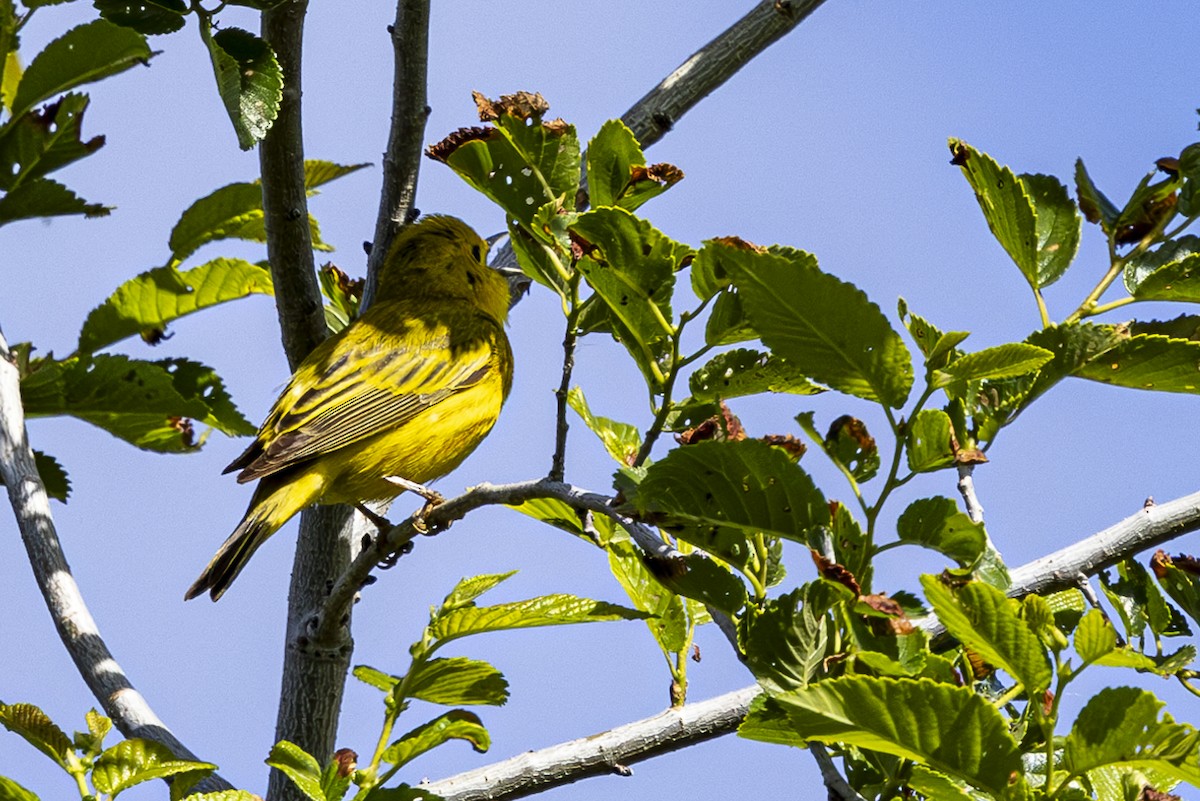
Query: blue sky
[{"x": 834, "y": 141}]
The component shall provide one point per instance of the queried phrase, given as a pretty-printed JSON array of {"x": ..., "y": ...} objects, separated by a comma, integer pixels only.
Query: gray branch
[{"x": 80, "y": 635}]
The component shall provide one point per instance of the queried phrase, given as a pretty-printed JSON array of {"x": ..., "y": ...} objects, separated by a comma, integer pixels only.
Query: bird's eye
[{"x": 477, "y": 253}]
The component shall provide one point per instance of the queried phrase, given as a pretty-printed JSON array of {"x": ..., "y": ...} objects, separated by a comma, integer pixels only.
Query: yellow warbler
[{"x": 409, "y": 389}]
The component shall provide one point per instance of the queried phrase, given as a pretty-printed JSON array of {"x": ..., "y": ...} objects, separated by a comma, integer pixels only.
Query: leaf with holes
[
  {"x": 41, "y": 141},
  {"x": 617, "y": 172},
  {"x": 748, "y": 372},
  {"x": 249, "y": 80}
]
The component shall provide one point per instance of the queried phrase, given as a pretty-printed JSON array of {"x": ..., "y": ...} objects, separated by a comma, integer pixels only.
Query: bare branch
[
  {"x": 966, "y": 488},
  {"x": 835, "y": 783},
  {"x": 410, "y": 111},
  {"x": 710, "y": 66},
  {"x": 601, "y": 754},
  {"x": 129, "y": 710}
]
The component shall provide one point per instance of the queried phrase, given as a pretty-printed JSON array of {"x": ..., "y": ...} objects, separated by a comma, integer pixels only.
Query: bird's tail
[{"x": 270, "y": 508}]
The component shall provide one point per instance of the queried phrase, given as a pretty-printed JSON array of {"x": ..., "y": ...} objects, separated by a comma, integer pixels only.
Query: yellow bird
[{"x": 409, "y": 389}]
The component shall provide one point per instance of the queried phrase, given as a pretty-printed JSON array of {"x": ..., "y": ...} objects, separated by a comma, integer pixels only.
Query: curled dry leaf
[
  {"x": 441, "y": 151},
  {"x": 519, "y": 104},
  {"x": 832, "y": 571}
]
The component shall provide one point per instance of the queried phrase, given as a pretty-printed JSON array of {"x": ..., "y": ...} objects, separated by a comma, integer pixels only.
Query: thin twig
[
  {"x": 835, "y": 783},
  {"x": 410, "y": 112},
  {"x": 128, "y": 708},
  {"x": 341, "y": 596},
  {"x": 558, "y": 464},
  {"x": 966, "y": 488},
  {"x": 601, "y": 754}
]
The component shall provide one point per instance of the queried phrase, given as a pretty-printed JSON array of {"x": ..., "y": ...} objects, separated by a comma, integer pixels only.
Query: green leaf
[
  {"x": 825, "y": 327},
  {"x": 982, "y": 618},
  {"x": 1096, "y": 207},
  {"x": 375, "y": 678},
  {"x": 937, "y": 786},
  {"x": 299, "y": 766},
  {"x": 1142, "y": 265},
  {"x": 622, "y": 440},
  {"x": 11, "y": 791},
  {"x": 1146, "y": 361},
  {"x": 1011, "y": 360},
  {"x": 145, "y": 403},
  {"x": 344, "y": 295},
  {"x": 747, "y": 372},
  {"x": 553, "y": 512},
  {"x": 928, "y": 441},
  {"x": 151, "y": 17},
  {"x": 82, "y": 55},
  {"x": 43, "y": 197},
  {"x": 35, "y": 726},
  {"x": 146, "y": 304},
  {"x": 1095, "y": 637},
  {"x": 718, "y": 494},
  {"x": 318, "y": 172},
  {"x": 468, "y": 589},
  {"x": 665, "y": 612},
  {"x": 458, "y": 680},
  {"x": 1181, "y": 585},
  {"x": 850, "y": 444},
  {"x": 42, "y": 141},
  {"x": 938, "y": 524},
  {"x": 767, "y": 722},
  {"x": 545, "y": 610},
  {"x": 231, "y": 212},
  {"x": 728, "y": 323},
  {"x": 937, "y": 347},
  {"x": 249, "y": 81},
  {"x": 131, "y": 762},
  {"x": 631, "y": 266},
  {"x": 522, "y": 163},
  {"x": 53, "y": 476},
  {"x": 539, "y": 260},
  {"x": 1138, "y": 601},
  {"x": 1150, "y": 204},
  {"x": 909, "y": 719},
  {"x": 456, "y": 724},
  {"x": 1120, "y": 726},
  {"x": 617, "y": 173},
  {"x": 1030, "y": 215},
  {"x": 786, "y": 643}
]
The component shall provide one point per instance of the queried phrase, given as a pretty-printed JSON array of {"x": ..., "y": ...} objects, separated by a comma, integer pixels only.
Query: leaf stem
[
  {"x": 1106, "y": 307},
  {"x": 1088, "y": 306},
  {"x": 1041, "y": 304}
]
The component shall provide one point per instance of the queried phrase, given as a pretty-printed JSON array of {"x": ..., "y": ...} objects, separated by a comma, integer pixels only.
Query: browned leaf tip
[
  {"x": 896, "y": 623},
  {"x": 580, "y": 247},
  {"x": 1151, "y": 215},
  {"x": 695, "y": 652},
  {"x": 1148, "y": 793},
  {"x": 979, "y": 668},
  {"x": 186, "y": 432},
  {"x": 853, "y": 428},
  {"x": 787, "y": 443},
  {"x": 726, "y": 427},
  {"x": 155, "y": 336},
  {"x": 969, "y": 456},
  {"x": 1047, "y": 702},
  {"x": 347, "y": 285},
  {"x": 737, "y": 243},
  {"x": 1169, "y": 165},
  {"x": 665, "y": 174},
  {"x": 834, "y": 572},
  {"x": 959, "y": 154},
  {"x": 953, "y": 579},
  {"x": 347, "y": 761},
  {"x": 519, "y": 104},
  {"x": 443, "y": 150},
  {"x": 1186, "y": 563},
  {"x": 662, "y": 567}
]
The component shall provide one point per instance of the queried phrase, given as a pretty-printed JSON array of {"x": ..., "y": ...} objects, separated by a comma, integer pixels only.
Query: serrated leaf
[
  {"x": 249, "y": 81},
  {"x": 907, "y": 718},
  {"x": 1010, "y": 360},
  {"x": 224, "y": 795},
  {"x": 1148, "y": 361},
  {"x": 744, "y": 371},
  {"x": 1096, "y": 207},
  {"x": 53, "y": 476},
  {"x": 151, "y": 17},
  {"x": 937, "y": 786},
  {"x": 702, "y": 579},
  {"x": 131, "y": 762},
  {"x": 622, "y": 440},
  {"x": 11, "y": 791},
  {"x": 231, "y": 212},
  {"x": 458, "y": 680},
  {"x": 318, "y": 172},
  {"x": 666, "y": 616},
  {"x": 825, "y": 327},
  {"x": 728, "y": 323},
  {"x": 1120, "y": 725},
  {"x": 717, "y": 494},
  {"x": 937, "y": 523},
  {"x": 936, "y": 346},
  {"x": 631, "y": 266},
  {"x": 545, "y": 610},
  {"x": 86, "y": 53},
  {"x": 982, "y": 618},
  {"x": 42, "y": 141},
  {"x": 1142, "y": 265},
  {"x": 468, "y": 589},
  {"x": 617, "y": 174},
  {"x": 43, "y": 197},
  {"x": 148, "y": 404},
  {"x": 785, "y": 644},
  {"x": 299, "y": 766},
  {"x": 767, "y": 722},
  {"x": 457, "y": 724},
  {"x": 37, "y": 729},
  {"x": 1031, "y": 216},
  {"x": 1177, "y": 280},
  {"x": 1181, "y": 585},
  {"x": 1095, "y": 636},
  {"x": 152, "y": 300},
  {"x": 928, "y": 441}
]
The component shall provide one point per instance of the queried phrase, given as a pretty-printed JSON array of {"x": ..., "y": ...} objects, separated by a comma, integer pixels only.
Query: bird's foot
[
  {"x": 382, "y": 523},
  {"x": 432, "y": 496}
]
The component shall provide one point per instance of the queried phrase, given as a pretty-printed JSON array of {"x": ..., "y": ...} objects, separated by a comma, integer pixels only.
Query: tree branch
[
  {"x": 129, "y": 710},
  {"x": 410, "y": 112},
  {"x": 313, "y": 679},
  {"x": 601, "y": 754}
]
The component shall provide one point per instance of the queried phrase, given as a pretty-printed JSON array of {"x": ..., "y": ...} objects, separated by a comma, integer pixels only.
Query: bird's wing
[{"x": 342, "y": 403}]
